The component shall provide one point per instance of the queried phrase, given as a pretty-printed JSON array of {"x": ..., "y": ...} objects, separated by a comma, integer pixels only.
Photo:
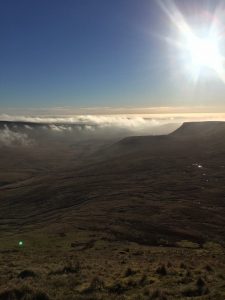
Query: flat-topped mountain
[
  {"x": 202, "y": 134},
  {"x": 206, "y": 136},
  {"x": 200, "y": 129},
  {"x": 186, "y": 130}
]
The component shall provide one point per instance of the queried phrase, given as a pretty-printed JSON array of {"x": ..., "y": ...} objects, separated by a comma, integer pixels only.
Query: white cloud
[
  {"x": 101, "y": 120},
  {"x": 28, "y": 127},
  {"x": 13, "y": 138},
  {"x": 92, "y": 125}
]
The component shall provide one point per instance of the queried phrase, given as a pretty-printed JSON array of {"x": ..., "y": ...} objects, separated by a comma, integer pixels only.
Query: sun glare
[{"x": 202, "y": 54}]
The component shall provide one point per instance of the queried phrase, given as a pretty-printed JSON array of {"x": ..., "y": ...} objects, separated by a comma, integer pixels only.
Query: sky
[{"x": 101, "y": 55}]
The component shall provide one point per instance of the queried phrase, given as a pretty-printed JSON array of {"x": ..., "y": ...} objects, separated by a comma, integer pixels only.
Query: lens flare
[
  {"x": 201, "y": 53},
  {"x": 204, "y": 52},
  {"x": 21, "y": 243}
]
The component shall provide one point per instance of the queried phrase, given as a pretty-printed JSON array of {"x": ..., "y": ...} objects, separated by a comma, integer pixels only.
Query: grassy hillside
[{"x": 139, "y": 219}]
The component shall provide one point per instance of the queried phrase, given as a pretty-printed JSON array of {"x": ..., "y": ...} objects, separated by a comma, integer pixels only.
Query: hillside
[
  {"x": 186, "y": 168},
  {"x": 155, "y": 200}
]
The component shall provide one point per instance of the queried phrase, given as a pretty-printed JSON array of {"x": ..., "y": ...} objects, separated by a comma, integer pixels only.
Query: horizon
[{"x": 74, "y": 111}]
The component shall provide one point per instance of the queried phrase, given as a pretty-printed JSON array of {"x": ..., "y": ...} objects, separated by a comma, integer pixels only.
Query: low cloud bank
[
  {"x": 132, "y": 121},
  {"x": 25, "y": 130},
  {"x": 125, "y": 120}
]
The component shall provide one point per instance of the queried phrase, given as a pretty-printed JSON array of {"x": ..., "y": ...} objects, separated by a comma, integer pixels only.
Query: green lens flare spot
[{"x": 21, "y": 243}]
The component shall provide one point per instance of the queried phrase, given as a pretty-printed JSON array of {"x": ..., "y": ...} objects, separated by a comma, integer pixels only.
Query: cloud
[
  {"x": 128, "y": 121},
  {"x": 110, "y": 118},
  {"x": 77, "y": 127},
  {"x": 13, "y": 138},
  {"x": 133, "y": 123},
  {"x": 28, "y": 127}
]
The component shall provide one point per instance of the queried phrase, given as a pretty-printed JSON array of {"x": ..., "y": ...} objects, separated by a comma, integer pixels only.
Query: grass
[
  {"x": 110, "y": 269},
  {"x": 22, "y": 294}
]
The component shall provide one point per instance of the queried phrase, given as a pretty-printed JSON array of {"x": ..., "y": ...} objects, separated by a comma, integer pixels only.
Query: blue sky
[{"x": 93, "y": 53}]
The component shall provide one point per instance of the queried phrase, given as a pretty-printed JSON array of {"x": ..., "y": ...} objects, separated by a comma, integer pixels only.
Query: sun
[
  {"x": 199, "y": 47},
  {"x": 203, "y": 53}
]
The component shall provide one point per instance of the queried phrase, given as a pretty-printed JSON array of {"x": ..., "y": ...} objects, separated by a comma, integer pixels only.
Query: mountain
[{"x": 208, "y": 129}]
